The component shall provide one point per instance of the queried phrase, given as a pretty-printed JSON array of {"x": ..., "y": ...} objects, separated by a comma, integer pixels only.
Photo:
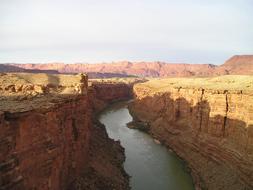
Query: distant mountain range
[{"x": 238, "y": 64}]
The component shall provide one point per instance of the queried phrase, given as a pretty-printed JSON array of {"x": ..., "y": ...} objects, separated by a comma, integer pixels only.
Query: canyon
[
  {"x": 206, "y": 121},
  {"x": 50, "y": 139},
  {"x": 238, "y": 64},
  {"x": 106, "y": 91}
]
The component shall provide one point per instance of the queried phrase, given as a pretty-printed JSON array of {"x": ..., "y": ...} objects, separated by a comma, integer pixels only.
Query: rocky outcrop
[
  {"x": 208, "y": 125},
  {"x": 49, "y": 138}
]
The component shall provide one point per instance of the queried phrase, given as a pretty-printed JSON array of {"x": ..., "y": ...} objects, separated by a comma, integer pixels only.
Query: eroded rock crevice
[{"x": 226, "y": 115}]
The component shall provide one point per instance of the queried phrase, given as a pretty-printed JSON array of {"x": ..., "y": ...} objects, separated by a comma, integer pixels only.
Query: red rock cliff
[
  {"x": 41, "y": 148},
  {"x": 105, "y": 91},
  {"x": 207, "y": 122},
  {"x": 48, "y": 139}
]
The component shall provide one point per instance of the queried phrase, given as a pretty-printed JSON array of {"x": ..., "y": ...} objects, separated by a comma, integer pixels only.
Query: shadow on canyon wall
[
  {"x": 111, "y": 92},
  {"x": 190, "y": 130},
  {"x": 196, "y": 117}
]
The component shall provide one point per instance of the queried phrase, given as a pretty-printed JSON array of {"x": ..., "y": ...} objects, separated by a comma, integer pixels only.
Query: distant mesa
[
  {"x": 17, "y": 68},
  {"x": 242, "y": 65},
  {"x": 11, "y": 68},
  {"x": 239, "y": 60},
  {"x": 238, "y": 64}
]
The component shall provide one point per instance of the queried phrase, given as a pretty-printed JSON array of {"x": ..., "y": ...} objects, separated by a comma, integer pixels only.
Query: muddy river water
[{"x": 150, "y": 165}]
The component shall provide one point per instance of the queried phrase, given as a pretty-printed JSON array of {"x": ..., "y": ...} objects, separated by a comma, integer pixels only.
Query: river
[{"x": 150, "y": 165}]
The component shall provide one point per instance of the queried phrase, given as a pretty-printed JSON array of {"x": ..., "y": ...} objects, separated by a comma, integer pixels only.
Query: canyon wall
[
  {"x": 45, "y": 149},
  {"x": 106, "y": 91},
  {"x": 49, "y": 138},
  {"x": 207, "y": 122}
]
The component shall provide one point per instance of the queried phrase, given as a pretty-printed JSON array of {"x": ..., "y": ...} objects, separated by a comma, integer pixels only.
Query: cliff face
[
  {"x": 49, "y": 139},
  {"x": 210, "y": 128},
  {"x": 102, "y": 92},
  {"x": 45, "y": 149}
]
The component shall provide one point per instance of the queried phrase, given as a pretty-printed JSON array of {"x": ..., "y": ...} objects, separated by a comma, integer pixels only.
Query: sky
[{"x": 70, "y": 31}]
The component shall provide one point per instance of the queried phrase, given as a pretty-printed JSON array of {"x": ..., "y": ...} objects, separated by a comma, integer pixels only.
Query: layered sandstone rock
[
  {"x": 207, "y": 122},
  {"x": 44, "y": 149},
  {"x": 48, "y": 138}
]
